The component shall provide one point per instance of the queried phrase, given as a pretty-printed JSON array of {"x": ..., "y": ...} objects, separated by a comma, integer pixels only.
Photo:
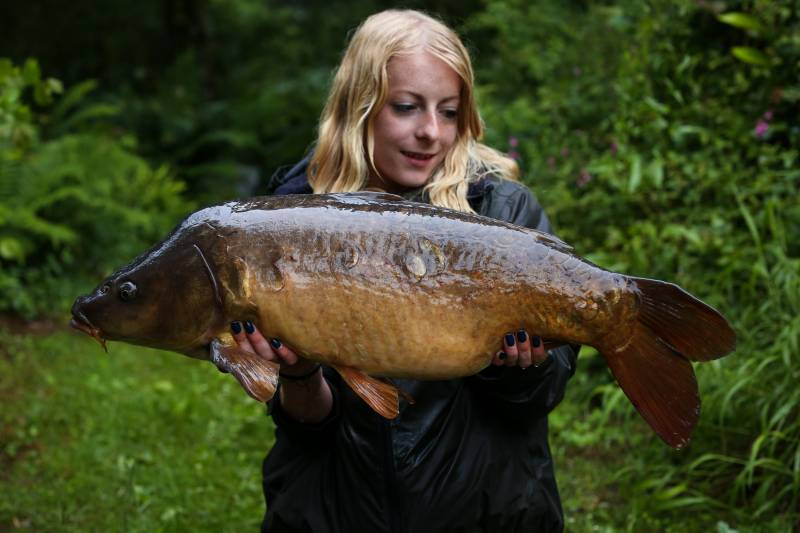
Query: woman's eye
[
  {"x": 127, "y": 291},
  {"x": 403, "y": 108},
  {"x": 451, "y": 114}
]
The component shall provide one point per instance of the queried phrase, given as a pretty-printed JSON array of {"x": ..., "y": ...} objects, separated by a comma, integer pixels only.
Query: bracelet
[
  {"x": 543, "y": 361},
  {"x": 302, "y": 376}
]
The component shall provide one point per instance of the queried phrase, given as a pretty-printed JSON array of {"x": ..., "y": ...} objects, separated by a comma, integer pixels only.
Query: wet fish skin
[
  {"x": 392, "y": 288},
  {"x": 334, "y": 290}
]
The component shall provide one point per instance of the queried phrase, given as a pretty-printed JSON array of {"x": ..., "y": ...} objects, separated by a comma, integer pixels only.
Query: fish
[{"x": 378, "y": 287}]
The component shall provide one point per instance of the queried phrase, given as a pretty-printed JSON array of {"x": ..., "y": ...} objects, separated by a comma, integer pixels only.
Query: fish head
[{"x": 167, "y": 299}]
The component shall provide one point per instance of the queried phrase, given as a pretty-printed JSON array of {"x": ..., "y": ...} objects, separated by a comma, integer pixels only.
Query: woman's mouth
[{"x": 418, "y": 158}]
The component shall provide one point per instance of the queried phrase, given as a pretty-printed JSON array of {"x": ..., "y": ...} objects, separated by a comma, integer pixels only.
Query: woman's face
[{"x": 418, "y": 124}]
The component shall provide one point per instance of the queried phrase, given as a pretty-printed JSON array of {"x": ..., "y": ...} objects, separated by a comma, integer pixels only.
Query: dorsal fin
[
  {"x": 548, "y": 239},
  {"x": 371, "y": 196}
]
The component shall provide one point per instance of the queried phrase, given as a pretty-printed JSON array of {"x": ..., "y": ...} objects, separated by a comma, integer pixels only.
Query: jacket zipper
[{"x": 393, "y": 503}]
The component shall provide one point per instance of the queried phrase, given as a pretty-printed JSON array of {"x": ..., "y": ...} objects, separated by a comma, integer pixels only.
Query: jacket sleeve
[{"x": 534, "y": 392}]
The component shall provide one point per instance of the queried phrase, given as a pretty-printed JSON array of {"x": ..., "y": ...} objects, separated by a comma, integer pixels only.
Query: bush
[
  {"x": 660, "y": 137},
  {"x": 75, "y": 200}
]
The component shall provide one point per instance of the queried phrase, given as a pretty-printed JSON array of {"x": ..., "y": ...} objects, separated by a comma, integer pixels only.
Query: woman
[{"x": 471, "y": 454}]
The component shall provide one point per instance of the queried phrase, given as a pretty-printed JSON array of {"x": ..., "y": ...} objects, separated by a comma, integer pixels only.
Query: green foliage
[
  {"x": 662, "y": 138},
  {"x": 136, "y": 440},
  {"x": 75, "y": 200}
]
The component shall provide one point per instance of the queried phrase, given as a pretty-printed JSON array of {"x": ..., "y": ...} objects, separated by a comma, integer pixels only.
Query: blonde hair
[{"x": 343, "y": 155}]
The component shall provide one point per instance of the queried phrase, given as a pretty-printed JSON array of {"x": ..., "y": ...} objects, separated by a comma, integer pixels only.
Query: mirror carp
[{"x": 379, "y": 287}]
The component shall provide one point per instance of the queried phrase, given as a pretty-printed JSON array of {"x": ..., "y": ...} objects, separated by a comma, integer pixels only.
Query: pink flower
[
  {"x": 613, "y": 148},
  {"x": 551, "y": 162},
  {"x": 564, "y": 152},
  {"x": 767, "y": 115},
  {"x": 514, "y": 155},
  {"x": 761, "y": 128},
  {"x": 513, "y": 142},
  {"x": 584, "y": 178}
]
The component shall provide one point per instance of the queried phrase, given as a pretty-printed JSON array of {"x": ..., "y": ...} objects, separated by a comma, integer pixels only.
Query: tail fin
[
  {"x": 653, "y": 367},
  {"x": 686, "y": 324}
]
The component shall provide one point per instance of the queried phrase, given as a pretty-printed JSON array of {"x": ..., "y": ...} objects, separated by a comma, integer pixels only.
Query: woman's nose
[{"x": 428, "y": 127}]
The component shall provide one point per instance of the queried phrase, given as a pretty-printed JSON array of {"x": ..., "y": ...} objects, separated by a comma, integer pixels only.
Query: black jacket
[{"x": 470, "y": 455}]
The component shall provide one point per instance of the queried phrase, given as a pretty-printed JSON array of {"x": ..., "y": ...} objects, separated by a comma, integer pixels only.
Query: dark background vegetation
[{"x": 662, "y": 138}]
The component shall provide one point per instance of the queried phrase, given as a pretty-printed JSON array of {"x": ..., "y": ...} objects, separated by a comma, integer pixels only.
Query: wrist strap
[{"x": 302, "y": 376}]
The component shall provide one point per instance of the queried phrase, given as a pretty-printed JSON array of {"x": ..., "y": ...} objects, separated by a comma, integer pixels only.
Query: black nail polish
[
  {"x": 502, "y": 355},
  {"x": 509, "y": 339},
  {"x": 275, "y": 343},
  {"x": 236, "y": 326},
  {"x": 537, "y": 341},
  {"x": 522, "y": 336},
  {"x": 249, "y": 327}
]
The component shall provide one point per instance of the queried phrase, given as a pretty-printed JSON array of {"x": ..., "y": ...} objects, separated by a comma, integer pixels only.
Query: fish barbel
[{"x": 378, "y": 287}]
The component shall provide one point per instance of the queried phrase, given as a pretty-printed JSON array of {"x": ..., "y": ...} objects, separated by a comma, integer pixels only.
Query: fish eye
[{"x": 127, "y": 291}]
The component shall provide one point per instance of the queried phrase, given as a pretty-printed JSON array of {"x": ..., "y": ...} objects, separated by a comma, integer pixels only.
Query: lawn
[
  {"x": 142, "y": 440},
  {"x": 136, "y": 440}
]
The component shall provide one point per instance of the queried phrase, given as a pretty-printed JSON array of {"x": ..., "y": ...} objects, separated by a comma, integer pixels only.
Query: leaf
[
  {"x": 635, "y": 177},
  {"x": 84, "y": 116},
  {"x": 11, "y": 248},
  {"x": 656, "y": 105},
  {"x": 750, "y": 55},
  {"x": 30, "y": 72},
  {"x": 656, "y": 172},
  {"x": 72, "y": 98},
  {"x": 742, "y": 20}
]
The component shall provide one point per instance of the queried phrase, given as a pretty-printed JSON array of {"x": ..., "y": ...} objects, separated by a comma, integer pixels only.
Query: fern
[{"x": 75, "y": 201}]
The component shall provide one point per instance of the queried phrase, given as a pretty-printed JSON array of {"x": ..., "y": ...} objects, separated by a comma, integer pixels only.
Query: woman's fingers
[
  {"x": 538, "y": 353},
  {"x": 250, "y": 339},
  {"x": 286, "y": 356},
  {"x": 237, "y": 330},
  {"x": 510, "y": 348},
  {"x": 520, "y": 349},
  {"x": 524, "y": 349},
  {"x": 499, "y": 358}
]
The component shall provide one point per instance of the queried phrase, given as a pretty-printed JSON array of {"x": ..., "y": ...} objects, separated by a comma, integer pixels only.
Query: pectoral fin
[
  {"x": 257, "y": 376},
  {"x": 380, "y": 395}
]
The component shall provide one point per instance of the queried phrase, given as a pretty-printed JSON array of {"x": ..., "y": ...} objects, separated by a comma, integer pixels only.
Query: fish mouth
[{"x": 81, "y": 323}]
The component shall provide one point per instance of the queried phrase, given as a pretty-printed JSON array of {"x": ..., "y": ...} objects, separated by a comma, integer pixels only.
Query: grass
[
  {"x": 137, "y": 440},
  {"x": 141, "y": 440}
]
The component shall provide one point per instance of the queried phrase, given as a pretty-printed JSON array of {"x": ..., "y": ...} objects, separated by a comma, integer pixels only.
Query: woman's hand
[
  {"x": 304, "y": 393},
  {"x": 520, "y": 349},
  {"x": 249, "y": 338}
]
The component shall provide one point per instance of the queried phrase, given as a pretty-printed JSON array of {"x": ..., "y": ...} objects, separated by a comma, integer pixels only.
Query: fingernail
[
  {"x": 502, "y": 355},
  {"x": 536, "y": 341},
  {"x": 509, "y": 339},
  {"x": 275, "y": 343},
  {"x": 249, "y": 327},
  {"x": 522, "y": 336},
  {"x": 236, "y": 326}
]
